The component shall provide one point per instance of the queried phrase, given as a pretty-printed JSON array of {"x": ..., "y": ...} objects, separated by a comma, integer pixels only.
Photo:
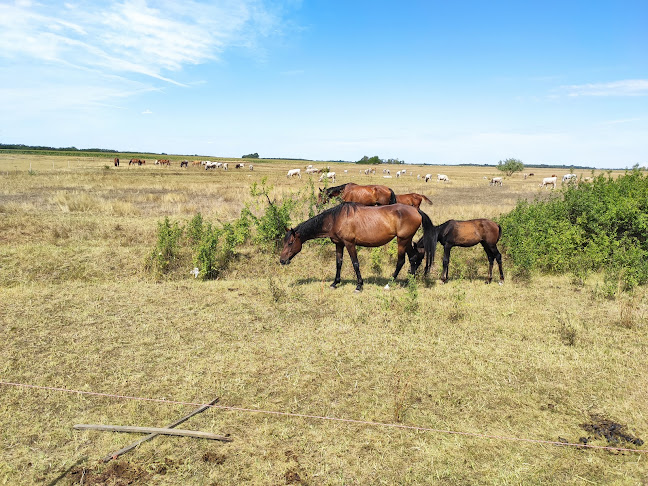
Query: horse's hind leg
[
  {"x": 491, "y": 259},
  {"x": 493, "y": 255},
  {"x": 339, "y": 253},
  {"x": 403, "y": 246},
  {"x": 498, "y": 257},
  {"x": 353, "y": 253},
  {"x": 446, "y": 262}
]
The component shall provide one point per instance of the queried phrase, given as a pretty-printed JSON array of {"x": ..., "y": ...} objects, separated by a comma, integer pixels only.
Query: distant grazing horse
[
  {"x": 327, "y": 175},
  {"x": 369, "y": 195},
  {"x": 136, "y": 161},
  {"x": 164, "y": 162},
  {"x": 116, "y": 162},
  {"x": 442, "y": 177},
  {"x": 412, "y": 199},
  {"x": 350, "y": 224},
  {"x": 184, "y": 163},
  {"x": 496, "y": 181},
  {"x": 549, "y": 181},
  {"x": 466, "y": 233},
  {"x": 294, "y": 172}
]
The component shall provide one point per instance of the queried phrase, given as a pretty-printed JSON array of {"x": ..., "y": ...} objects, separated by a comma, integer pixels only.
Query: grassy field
[{"x": 549, "y": 358}]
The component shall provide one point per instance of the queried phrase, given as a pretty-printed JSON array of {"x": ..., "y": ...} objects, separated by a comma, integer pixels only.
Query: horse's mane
[
  {"x": 311, "y": 227},
  {"x": 335, "y": 189}
]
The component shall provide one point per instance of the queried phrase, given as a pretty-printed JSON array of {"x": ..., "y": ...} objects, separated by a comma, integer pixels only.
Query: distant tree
[
  {"x": 251, "y": 156},
  {"x": 509, "y": 166},
  {"x": 375, "y": 160}
]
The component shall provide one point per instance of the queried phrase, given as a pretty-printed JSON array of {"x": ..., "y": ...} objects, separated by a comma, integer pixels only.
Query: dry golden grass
[{"x": 534, "y": 358}]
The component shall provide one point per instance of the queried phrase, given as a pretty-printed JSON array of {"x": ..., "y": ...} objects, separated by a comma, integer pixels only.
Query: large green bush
[{"x": 602, "y": 224}]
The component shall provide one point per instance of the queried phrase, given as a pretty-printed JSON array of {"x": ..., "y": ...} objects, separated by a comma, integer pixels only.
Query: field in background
[{"x": 545, "y": 358}]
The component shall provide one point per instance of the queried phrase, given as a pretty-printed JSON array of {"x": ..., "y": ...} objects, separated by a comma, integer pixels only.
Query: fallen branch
[
  {"x": 153, "y": 430},
  {"x": 132, "y": 446}
]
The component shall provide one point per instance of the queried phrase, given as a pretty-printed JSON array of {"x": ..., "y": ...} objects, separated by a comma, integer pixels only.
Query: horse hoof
[
  {"x": 333, "y": 286},
  {"x": 357, "y": 291}
]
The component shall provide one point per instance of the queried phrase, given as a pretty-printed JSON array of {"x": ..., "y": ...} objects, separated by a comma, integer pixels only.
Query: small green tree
[
  {"x": 509, "y": 166},
  {"x": 271, "y": 226},
  {"x": 375, "y": 160}
]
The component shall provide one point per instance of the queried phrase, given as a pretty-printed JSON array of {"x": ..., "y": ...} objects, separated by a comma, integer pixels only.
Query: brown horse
[
  {"x": 467, "y": 233},
  {"x": 412, "y": 199},
  {"x": 370, "y": 195},
  {"x": 350, "y": 224},
  {"x": 116, "y": 162}
]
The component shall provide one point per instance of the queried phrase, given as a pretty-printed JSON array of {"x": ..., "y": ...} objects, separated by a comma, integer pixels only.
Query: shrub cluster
[
  {"x": 602, "y": 224},
  {"x": 271, "y": 225},
  {"x": 212, "y": 247}
]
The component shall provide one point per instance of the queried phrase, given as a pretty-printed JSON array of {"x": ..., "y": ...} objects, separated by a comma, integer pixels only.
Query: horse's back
[
  {"x": 369, "y": 195},
  {"x": 376, "y": 225},
  {"x": 471, "y": 232}
]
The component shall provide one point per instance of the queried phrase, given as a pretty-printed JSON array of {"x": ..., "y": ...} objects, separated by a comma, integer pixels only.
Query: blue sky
[{"x": 422, "y": 81}]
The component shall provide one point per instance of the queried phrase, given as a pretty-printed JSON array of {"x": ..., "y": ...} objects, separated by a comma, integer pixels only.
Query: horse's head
[
  {"x": 322, "y": 197},
  {"x": 291, "y": 246},
  {"x": 417, "y": 258}
]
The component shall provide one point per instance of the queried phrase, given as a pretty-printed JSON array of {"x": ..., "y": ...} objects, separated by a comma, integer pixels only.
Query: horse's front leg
[
  {"x": 339, "y": 253},
  {"x": 446, "y": 263},
  {"x": 353, "y": 253}
]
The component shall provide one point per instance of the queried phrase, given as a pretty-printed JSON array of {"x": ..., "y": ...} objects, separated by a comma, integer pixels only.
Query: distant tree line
[
  {"x": 251, "y": 156},
  {"x": 5, "y": 146},
  {"x": 375, "y": 160}
]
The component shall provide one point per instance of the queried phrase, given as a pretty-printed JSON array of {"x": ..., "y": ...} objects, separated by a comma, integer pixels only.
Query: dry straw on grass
[{"x": 77, "y": 311}]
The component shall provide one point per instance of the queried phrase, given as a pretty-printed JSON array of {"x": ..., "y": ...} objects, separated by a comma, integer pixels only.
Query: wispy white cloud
[
  {"x": 133, "y": 41},
  {"x": 624, "y": 120},
  {"x": 147, "y": 112},
  {"x": 629, "y": 87}
]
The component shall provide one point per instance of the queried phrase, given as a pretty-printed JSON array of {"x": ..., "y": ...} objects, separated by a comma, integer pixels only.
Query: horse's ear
[{"x": 320, "y": 189}]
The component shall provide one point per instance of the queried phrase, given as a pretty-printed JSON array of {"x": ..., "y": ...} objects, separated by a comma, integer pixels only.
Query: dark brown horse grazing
[
  {"x": 467, "y": 233},
  {"x": 350, "y": 224},
  {"x": 370, "y": 195},
  {"x": 412, "y": 199},
  {"x": 116, "y": 162}
]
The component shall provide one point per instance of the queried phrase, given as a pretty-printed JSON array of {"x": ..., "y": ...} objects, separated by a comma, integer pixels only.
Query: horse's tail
[
  {"x": 392, "y": 198},
  {"x": 425, "y": 198},
  {"x": 499, "y": 235},
  {"x": 430, "y": 237}
]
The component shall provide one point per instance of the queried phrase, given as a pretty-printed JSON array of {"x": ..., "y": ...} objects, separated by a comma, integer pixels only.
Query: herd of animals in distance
[{"x": 372, "y": 215}]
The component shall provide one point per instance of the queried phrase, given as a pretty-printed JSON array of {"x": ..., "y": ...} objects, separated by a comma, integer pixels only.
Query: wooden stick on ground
[
  {"x": 153, "y": 430},
  {"x": 132, "y": 446}
]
